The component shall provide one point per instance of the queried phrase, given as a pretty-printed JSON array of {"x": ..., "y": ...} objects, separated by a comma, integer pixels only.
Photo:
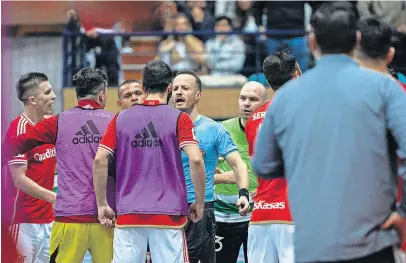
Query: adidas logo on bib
[
  {"x": 88, "y": 133},
  {"x": 147, "y": 138}
]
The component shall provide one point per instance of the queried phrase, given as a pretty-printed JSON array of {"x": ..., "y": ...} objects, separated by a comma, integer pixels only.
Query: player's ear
[
  {"x": 313, "y": 46},
  {"x": 358, "y": 35},
  {"x": 169, "y": 89},
  {"x": 391, "y": 54},
  {"x": 119, "y": 103},
  {"x": 100, "y": 96},
  {"x": 32, "y": 100},
  {"x": 198, "y": 95},
  {"x": 298, "y": 69}
]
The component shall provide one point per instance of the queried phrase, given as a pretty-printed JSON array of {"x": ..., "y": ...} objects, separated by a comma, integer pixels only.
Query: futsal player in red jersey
[
  {"x": 270, "y": 234},
  {"x": 32, "y": 173}
]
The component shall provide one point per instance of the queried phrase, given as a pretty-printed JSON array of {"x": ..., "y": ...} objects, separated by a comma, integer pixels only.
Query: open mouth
[
  {"x": 179, "y": 100},
  {"x": 247, "y": 111}
]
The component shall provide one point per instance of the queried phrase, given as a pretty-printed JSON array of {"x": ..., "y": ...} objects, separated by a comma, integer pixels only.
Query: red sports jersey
[
  {"x": 253, "y": 124},
  {"x": 185, "y": 137},
  {"x": 41, "y": 163},
  {"x": 271, "y": 201},
  {"x": 46, "y": 132}
]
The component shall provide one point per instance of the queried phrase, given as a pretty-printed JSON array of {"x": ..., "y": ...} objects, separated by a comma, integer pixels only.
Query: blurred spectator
[
  {"x": 123, "y": 43},
  {"x": 244, "y": 16},
  {"x": 223, "y": 8},
  {"x": 104, "y": 48},
  {"x": 164, "y": 15},
  {"x": 75, "y": 44},
  {"x": 393, "y": 13},
  {"x": 244, "y": 20},
  {"x": 284, "y": 15},
  {"x": 198, "y": 14},
  {"x": 239, "y": 11},
  {"x": 182, "y": 52},
  {"x": 225, "y": 53}
]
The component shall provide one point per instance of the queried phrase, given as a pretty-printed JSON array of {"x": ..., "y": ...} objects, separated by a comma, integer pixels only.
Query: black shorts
[
  {"x": 200, "y": 237},
  {"x": 229, "y": 238}
]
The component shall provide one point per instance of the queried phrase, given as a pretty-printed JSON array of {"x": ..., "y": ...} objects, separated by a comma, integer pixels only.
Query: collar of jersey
[
  {"x": 89, "y": 104},
  {"x": 28, "y": 119},
  {"x": 198, "y": 120},
  {"x": 153, "y": 102}
]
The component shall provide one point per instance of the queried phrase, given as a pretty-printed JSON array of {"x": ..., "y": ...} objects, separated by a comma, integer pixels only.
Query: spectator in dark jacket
[
  {"x": 198, "y": 14},
  {"x": 284, "y": 15}
]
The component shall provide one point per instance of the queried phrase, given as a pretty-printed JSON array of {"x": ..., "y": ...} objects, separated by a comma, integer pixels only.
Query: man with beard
[{"x": 214, "y": 140}]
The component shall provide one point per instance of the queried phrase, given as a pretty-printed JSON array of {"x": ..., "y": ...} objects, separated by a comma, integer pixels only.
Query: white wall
[{"x": 26, "y": 54}]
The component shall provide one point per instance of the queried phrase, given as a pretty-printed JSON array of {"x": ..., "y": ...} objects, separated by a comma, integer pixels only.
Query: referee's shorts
[{"x": 201, "y": 237}]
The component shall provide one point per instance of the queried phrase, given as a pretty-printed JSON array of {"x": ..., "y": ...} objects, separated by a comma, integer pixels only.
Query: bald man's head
[{"x": 252, "y": 96}]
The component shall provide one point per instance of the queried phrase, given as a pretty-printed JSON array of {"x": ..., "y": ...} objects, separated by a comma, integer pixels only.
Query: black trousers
[
  {"x": 387, "y": 255},
  {"x": 201, "y": 236},
  {"x": 229, "y": 238}
]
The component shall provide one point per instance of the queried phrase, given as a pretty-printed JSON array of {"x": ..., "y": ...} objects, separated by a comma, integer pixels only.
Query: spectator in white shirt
[{"x": 225, "y": 54}]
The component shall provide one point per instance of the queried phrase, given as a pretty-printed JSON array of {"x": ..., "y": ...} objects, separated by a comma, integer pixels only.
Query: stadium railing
[
  {"x": 74, "y": 46},
  {"x": 74, "y": 50}
]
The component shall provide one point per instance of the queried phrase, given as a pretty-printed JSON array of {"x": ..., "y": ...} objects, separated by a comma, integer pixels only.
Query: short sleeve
[
  {"x": 186, "y": 132},
  {"x": 109, "y": 140},
  {"x": 20, "y": 159},
  {"x": 12, "y": 133},
  {"x": 224, "y": 142}
]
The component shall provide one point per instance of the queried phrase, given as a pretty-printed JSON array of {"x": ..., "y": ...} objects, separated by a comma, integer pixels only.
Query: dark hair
[
  {"x": 392, "y": 72},
  {"x": 279, "y": 68},
  {"x": 89, "y": 82},
  {"x": 335, "y": 28},
  {"x": 192, "y": 73},
  {"x": 28, "y": 83},
  {"x": 229, "y": 20},
  {"x": 156, "y": 76},
  {"x": 129, "y": 81},
  {"x": 241, "y": 17},
  {"x": 376, "y": 38}
]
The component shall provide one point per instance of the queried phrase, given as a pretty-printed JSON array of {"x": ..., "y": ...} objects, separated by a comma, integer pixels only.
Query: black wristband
[{"x": 244, "y": 192}]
